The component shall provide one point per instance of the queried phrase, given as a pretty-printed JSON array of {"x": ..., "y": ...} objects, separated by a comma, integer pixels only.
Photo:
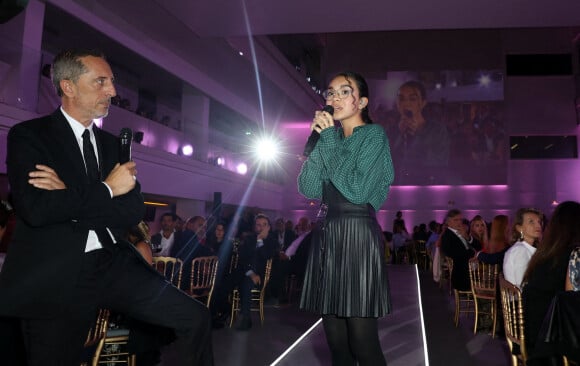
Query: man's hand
[
  {"x": 122, "y": 178},
  {"x": 45, "y": 178},
  {"x": 255, "y": 278},
  {"x": 264, "y": 233}
]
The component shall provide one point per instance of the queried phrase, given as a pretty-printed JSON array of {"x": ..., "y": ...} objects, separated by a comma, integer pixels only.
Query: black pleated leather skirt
[{"x": 346, "y": 273}]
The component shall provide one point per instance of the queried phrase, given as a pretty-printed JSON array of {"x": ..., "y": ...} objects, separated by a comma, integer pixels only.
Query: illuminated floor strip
[
  {"x": 296, "y": 343},
  {"x": 422, "y": 319}
]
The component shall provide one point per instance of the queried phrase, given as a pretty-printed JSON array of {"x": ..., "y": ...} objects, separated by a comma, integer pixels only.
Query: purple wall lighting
[
  {"x": 242, "y": 168},
  {"x": 186, "y": 150}
]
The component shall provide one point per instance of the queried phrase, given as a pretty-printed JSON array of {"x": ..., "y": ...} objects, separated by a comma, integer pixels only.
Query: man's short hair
[
  {"x": 67, "y": 65},
  {"x": 262, "y": 216},
  {"x": 172, "y": 215},
  {"x": 452, "y": 213}
]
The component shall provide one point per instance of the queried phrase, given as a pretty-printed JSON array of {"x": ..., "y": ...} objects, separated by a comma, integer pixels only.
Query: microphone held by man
[
  {"x": 125, "y": 139},
  {"x": 315, "y": 135}
]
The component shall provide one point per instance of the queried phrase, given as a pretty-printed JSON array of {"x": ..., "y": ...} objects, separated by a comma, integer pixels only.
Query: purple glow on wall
[
  {"x": 187, "y": 150},
  {"x": 242, "y": 168}
]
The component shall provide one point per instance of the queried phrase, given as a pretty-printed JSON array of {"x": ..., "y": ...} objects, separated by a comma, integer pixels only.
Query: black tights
[{"x": 353, "y": 340}]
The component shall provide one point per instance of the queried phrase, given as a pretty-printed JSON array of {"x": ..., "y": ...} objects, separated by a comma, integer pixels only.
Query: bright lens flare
[{"x": 266, "y": 149}]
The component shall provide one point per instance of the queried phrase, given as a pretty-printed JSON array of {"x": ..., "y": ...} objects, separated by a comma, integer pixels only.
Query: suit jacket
[
  {"x": 289, "y": 237},
  {"x": 253, "y": 258},
  {"x": 453, "y": 247},
  {"x": 51, "y": 231}
]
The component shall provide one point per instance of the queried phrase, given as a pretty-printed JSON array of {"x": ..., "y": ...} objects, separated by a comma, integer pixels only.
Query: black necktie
[
  {"x": 90, "y": 158},
  {"x": 94, "y": 176}
]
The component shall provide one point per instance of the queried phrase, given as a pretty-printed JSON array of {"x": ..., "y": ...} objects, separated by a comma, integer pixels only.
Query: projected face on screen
[{"x": 445, "y": 127}]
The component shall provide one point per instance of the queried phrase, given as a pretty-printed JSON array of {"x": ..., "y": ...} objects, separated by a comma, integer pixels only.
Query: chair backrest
[
  {"x": 96, "y": 337},
  {"x": 203, "y": 275},
  {"x": 170, "y": 267},
  {"x": 267, "y": 273},
  {"x": 483, "y": 277},
  {"x": 513, "y": 315}
]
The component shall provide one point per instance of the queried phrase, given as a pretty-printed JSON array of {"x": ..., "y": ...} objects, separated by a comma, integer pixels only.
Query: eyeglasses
[{"x": 341, "y": 93}]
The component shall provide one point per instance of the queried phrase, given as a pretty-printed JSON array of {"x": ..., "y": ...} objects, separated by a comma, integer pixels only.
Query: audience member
[
  {"x": 435, "y": 229},
  {"x": 254, "y": 252},
  {"x": 163, "y": 242},
  {"x": 399, "y": 221},
  {"x": 421, "y": 233},
  {"x": 280, "y": 263},
  {"x": 138, "y": 235},
  {"x": 400, "y": 238},
  {"x": 191, "y": 245},
  {"x": 457, "y": 244},
  {"x": 546, "y": 272},
  {"x": 478, "y": 230},
  {"x": 527, "y": 230},
  {"x": 498, "y": 243}
]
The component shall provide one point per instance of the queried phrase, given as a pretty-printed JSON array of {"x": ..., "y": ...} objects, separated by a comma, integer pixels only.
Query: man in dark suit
[
  {"x": 255, "y": 251},
  {"x": 164, "y": 242},
  {"x": 70, "y": 195},
  {"x": 457, "y": 244}
]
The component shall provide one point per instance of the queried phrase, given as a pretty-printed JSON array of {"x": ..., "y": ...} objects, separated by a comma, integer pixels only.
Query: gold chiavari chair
[
  {"x": 257, "y": 296},
  {"x": 483, "y": 279},
  {"x": 513, "y": 320},
  {"x": 96, "y": 337},
  {"x": 170, "y": 267},
  {"x": 203, "y": 275}
]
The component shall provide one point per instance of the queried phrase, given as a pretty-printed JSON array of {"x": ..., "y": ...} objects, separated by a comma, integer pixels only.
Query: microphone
[
  {"x": 314, "y": 136},
  {"x": 125, "y": 139}
]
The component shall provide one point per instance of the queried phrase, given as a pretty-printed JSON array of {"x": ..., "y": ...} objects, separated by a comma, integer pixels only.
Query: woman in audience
[
  {"x": 546, "y": 273},
  {"x": 526, "y": 232},
  {"x": 478, "y": 230},
  {"x": 138, "y": 235},
  {"x": 498, "y": 242},
  {"x": 216, "y": 239},
  {"x": 499, "y": 235}
]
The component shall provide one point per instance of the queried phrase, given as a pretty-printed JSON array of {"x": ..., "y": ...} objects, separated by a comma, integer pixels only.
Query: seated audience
[
  {"x": 138, "y": 235},
  {"x": 435, "y": 229},
  {"x": 546, "y": 272},
  {"x": 527, "y": 230},
  {"x": 478, "y": 230},
  {"x": 498, "y": 242},
  {"x": 457, "y": 244},
  {"x": 254, "y": 252}
]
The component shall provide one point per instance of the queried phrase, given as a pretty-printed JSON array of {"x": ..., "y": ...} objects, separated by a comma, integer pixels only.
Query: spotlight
[
  {"x": 186, "y": 150},
  {"x": 266, "y": 149},
  {"x": 242, "y": 168}
]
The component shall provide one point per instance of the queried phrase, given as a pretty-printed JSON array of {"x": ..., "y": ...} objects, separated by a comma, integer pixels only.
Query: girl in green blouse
[{"x": 350, "y": 170}]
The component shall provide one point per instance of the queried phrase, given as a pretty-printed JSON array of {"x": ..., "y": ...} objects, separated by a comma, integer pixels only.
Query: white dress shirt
[
  {"x": 515, "y": 262},
  {"x": 93, "y": 242}
]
